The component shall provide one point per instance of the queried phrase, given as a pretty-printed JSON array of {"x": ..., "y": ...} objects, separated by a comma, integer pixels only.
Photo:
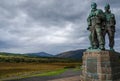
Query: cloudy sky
[{"x": 51, "y": 26}]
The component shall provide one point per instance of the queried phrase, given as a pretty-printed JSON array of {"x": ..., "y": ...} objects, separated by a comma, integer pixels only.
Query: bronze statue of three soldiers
[{"x": 99, "y": 24}]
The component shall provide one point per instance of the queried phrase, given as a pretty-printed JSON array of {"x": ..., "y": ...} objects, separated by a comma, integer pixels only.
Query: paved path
[
  {"x": 74, "y": 78},
  {"x": 69, "y": 75}
]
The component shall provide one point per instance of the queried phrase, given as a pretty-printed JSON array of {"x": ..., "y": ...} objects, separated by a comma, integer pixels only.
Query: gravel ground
[{"x": 68, "y": 73}]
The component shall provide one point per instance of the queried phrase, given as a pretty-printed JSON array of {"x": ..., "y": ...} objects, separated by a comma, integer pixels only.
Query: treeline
[{"x": 18, "y": 59}]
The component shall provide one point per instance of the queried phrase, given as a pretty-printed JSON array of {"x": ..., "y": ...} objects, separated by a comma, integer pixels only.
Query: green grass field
[{"x": 51, "y": 73}]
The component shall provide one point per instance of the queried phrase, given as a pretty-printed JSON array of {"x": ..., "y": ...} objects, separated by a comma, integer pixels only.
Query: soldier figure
[
  {"x": 109, "y": 26},
  {"x": 95, "y": 22}
]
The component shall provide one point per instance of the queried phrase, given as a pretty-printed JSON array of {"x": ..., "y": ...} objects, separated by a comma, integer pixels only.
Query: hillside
[
  {"x": 76, "y": 54},
  {"x": 40, "y": 54},
  {"x": 18, "y": 58}
]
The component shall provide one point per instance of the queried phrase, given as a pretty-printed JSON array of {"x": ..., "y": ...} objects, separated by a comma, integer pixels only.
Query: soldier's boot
[
  {"x": 92, "y": 47},
  {"x": 101, "y": 47},
  {"x": 112, "y": 49},
  {"x": 95, "y": 47}
]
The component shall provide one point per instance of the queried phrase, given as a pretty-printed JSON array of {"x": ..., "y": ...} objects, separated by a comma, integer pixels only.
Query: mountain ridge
[
  {"x": 74, "y": 54},
  {"x": 40, "y": 54}
]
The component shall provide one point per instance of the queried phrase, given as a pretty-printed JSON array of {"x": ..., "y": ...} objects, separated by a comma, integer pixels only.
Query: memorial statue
[
  {"x": 100, "y": 64},
  {"x": 95, "y": 25},
  {"x": 109, "y": 26}
]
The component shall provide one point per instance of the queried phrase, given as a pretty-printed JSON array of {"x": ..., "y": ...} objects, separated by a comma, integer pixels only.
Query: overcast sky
[{"x": 52, "y": 26}]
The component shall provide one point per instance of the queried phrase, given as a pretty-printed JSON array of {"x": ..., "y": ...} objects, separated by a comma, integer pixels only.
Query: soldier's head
[
  {"x": 107, "y": 7},
  {"x": 93, "y": 5}
]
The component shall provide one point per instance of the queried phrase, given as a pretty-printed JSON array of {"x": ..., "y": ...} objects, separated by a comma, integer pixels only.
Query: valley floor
[
  {"x": 10, "y": 71},
  {"x": 69, "y": 75}
]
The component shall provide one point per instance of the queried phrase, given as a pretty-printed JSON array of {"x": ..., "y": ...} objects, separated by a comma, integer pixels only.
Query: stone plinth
[{"x": 100, "y": 66}]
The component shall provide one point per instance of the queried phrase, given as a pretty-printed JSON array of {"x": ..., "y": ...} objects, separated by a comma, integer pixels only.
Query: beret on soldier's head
[
  {"x": 93, "y": 4},
  {"x": 107, "y": 6}
]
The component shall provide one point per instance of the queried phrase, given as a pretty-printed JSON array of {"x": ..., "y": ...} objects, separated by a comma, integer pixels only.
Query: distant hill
[
  {"x": 40, "y": 54},
  {"x": 10, "y": 54},
  {"x": 76, "y": 54},
  {"x": 33, "y": 57},
  {"x": 71, "y": 55}
]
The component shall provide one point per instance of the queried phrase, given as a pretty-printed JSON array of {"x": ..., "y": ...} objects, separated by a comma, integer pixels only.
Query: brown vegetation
[{"x": 18, "y": 69}]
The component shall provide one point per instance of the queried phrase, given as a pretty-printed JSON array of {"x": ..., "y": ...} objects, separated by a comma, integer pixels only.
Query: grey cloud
[
  {"x": 46, "y": 25},
  {"x": 54, "y": 12}
]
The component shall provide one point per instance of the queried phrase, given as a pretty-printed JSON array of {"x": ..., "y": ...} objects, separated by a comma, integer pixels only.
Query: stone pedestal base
[{"x": 100, "y": 66}]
